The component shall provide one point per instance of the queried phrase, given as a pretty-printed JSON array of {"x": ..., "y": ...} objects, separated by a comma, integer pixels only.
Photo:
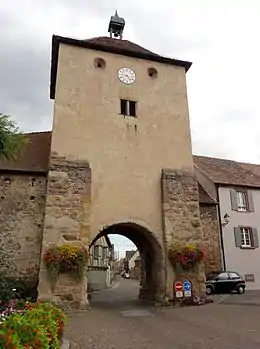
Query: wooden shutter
[
  {"x": 233, "y": 198},
  {"x": 251, "y": 207},
  {"x": 255, "y": 237},
  {"x": 123, "y": 106},
  {"x": 238, "y": 237},
  {"x": 132, "y": 108}
]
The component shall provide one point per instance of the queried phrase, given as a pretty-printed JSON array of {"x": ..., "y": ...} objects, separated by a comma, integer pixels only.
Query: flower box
[
  {"x": 65, "y": 259},
  {"x": 187, "y": 257}
]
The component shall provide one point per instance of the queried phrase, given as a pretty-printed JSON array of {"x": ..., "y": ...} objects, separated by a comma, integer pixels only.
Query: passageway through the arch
[{"x": 150, "y": 256}]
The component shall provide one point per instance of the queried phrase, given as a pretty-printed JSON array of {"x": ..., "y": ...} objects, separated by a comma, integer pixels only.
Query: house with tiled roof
[
  {"x": 100, "y": 264},
  {"x": 236, "y": 188}
]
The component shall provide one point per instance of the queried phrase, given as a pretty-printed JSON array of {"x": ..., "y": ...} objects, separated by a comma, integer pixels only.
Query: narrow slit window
[
  {"x": 128, "y": 108},
  {"x": 132, "y": 108}
]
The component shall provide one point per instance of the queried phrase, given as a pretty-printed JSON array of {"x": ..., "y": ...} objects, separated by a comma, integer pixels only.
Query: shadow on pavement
[
  {"x": 248, "y": 298},
  {"x": 124, "y": 295}
]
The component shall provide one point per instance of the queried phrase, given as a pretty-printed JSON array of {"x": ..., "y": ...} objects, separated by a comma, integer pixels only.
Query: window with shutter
[
  {"x": 246, "y": 237},
  {"x": 241, "y": 200},
  {"x": 128, "y": 108}
]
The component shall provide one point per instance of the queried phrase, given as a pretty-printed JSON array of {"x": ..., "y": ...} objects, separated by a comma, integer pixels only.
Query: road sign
[
  {"x": 178, "y": 289},
  {"x": 178, "y": 286},
  {"x": 187, "y": 285},
  {"x": 187, "y": 288}
]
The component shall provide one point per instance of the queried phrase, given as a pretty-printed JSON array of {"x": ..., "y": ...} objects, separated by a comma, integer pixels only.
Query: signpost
[
  {"x": 178, "y": 287},
  {"x": 187, "y": 288}
]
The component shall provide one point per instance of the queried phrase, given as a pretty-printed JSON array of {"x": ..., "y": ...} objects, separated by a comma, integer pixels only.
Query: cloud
[
  {"x": 219, "y": 36},
  {"x": 122, "y": 244}
]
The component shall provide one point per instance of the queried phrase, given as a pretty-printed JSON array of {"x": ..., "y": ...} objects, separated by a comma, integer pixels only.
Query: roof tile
[
  {"x": 204, "y": 197},
  {"x": 122, "y": 44},
  {"x": 35, "y": 158},
  {"x": 228, "y": 172}
]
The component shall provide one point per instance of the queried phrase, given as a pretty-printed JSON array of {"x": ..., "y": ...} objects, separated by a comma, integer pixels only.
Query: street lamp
[{"x": 225, "y": 219}]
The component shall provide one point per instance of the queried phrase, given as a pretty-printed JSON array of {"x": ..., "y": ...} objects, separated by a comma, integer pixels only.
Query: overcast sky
[{"x": 220, "y": 37}]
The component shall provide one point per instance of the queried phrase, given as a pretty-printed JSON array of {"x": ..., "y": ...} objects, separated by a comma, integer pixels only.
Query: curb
[
  {"x": 108, "y": 289},
  {"x": 242, "y": 303}
]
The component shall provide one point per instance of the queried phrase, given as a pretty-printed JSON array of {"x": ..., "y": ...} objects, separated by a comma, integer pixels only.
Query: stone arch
[{"x": 151, "y": 254}]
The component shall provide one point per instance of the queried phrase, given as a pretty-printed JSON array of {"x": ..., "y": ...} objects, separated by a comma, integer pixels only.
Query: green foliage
[
  {"x": 12, "y": 140},
  {"x": 24, "y": 332},
  {"x": 6, "y": 283},
  {"x": 65, "y": 258},
  {"x": 40, "y": 326},
  {"x": 12, "y": 288}
]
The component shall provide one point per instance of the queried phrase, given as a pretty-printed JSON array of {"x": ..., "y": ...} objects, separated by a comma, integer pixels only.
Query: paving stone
[{"x": 136, "y": 312}]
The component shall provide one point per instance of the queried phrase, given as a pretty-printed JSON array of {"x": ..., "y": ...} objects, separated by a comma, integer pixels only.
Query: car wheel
[
  {"x": 240, "y": 290},
  {"x": 208, "y": 290}
]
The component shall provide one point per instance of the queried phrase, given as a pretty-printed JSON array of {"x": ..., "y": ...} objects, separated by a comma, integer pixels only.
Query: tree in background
[{"x": 12, "y": 141}]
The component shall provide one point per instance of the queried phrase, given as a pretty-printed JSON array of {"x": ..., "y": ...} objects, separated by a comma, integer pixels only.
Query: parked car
[
  {"x": 225, "y": 282},
  {"x": 127, "y": 276}
]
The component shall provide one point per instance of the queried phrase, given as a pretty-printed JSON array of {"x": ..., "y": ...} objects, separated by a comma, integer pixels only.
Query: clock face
[{"x": 126, "y": 75}]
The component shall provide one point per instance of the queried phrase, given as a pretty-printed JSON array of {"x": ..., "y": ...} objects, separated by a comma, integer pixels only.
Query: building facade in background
[
  {"x": 100, "y": 266},
  {"x": 236, "y": 187}
]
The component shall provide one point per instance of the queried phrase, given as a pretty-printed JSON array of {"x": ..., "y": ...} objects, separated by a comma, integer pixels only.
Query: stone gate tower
[{"x": 121, "y": 158}]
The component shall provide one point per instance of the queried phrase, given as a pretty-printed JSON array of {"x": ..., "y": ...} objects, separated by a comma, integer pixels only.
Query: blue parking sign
[{"x": 187, "y": 286}]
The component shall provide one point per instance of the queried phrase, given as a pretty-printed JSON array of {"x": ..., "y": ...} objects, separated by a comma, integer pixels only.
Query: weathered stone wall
[
  {"x": 181, "y": 218},
  {"x": 22, "y": 207},
  {"x": 67, "y": 220},
  {"x": 22, "y": 203},
  {"x": 211, "y": 236}
]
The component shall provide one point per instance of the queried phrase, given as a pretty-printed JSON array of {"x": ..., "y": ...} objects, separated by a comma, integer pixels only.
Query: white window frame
[
  {"x": 241, "y": 201},
  {"x": 246, "y": 237}
]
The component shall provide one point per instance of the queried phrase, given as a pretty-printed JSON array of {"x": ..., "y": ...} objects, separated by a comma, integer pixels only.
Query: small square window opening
[{"x": 128, "y": 108}]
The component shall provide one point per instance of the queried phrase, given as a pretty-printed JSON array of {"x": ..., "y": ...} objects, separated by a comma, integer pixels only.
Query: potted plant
[
  {"x": 65, "y": 259},
  {"x": 187, "y": 257}
]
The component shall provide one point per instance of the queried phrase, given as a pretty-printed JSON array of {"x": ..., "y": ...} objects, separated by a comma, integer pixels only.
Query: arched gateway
[
  {"x": 151, "y": 255},
  {"x": 120, "y": 148}
]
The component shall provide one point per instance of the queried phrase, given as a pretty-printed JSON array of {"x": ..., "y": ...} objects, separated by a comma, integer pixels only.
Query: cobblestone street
[{"x": 119, "y": 321}]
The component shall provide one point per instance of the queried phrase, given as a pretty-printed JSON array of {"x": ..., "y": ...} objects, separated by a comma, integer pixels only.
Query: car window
[
  {"x": 234, "y": 276},
  {"x": 223, "y": 276}
]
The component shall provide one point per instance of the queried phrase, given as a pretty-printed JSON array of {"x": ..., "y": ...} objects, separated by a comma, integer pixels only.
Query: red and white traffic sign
[{"x": 178, "y": 286}]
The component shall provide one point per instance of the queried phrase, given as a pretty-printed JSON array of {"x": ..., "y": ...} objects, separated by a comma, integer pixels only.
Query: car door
[
  {"x": 222, "y": 283},
  {"x": 235, "y": 279}
]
